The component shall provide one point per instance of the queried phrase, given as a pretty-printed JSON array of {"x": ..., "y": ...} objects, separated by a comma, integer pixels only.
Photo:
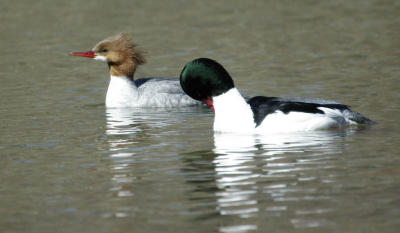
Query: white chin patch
[{"x": 100, "y": 58}]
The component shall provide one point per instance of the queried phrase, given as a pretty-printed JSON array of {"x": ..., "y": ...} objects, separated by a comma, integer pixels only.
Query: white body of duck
[
  {"x": 206, "y": 80},
  {"x": 146, "y": 92}
]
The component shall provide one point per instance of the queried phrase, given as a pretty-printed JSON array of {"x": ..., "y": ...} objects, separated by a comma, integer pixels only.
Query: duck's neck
[
  {"x": 232, "y": 113},
  {"x": 126, "y": 68},
  {"x": 122, "y": 92}
]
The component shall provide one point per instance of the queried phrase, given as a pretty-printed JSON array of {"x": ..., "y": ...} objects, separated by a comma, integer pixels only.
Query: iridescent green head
[{"x": 204, "y": 78}]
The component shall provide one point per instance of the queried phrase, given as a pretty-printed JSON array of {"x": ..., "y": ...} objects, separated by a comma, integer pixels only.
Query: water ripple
[{"x": 283, "y": 161}]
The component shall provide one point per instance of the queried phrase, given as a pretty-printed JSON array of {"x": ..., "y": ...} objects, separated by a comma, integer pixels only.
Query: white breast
[
  {"x": 122, "y": 92},
  {"x": 232, "y": 113}
]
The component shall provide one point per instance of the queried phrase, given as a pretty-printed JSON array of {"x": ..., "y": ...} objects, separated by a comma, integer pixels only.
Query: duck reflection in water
[
  {"x": 125, "y": 128},
  {"x": 129, "y": 134},
  {"x": 258, "y": 175}
]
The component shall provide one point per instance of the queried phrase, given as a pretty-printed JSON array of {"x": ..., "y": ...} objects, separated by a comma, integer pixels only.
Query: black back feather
[{"x": 263, "y": 106}]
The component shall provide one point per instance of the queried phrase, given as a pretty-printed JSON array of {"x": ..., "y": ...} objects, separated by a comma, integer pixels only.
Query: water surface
[{"x": 68, "y": 164}]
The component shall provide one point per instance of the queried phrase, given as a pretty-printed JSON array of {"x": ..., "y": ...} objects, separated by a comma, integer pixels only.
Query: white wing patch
[{"x": 300, "y": 121}]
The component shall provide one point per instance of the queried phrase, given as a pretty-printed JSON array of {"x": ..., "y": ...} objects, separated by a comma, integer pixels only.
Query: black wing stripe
[{"x": 263, "y": 106}]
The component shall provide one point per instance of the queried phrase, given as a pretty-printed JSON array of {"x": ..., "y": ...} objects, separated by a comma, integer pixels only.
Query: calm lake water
[{"x": 68, "y": 164}]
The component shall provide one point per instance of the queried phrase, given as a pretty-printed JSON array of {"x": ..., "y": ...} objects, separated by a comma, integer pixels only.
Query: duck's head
[
  {"x": 120, "y": 53},
  {"x": 203, "y": 78}
]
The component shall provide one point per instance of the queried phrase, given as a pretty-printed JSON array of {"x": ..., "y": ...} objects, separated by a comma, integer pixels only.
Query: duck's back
[
  {"x": 293, "y": 114},
  {"x": 162, "y": 92}
]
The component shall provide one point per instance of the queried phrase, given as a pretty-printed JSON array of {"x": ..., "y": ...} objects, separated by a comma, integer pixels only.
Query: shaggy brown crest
[{"x": 121, "y": 53}]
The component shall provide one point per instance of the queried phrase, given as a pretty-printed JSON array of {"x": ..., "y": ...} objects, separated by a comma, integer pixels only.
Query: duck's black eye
[{"x": 104, "y": 50}]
